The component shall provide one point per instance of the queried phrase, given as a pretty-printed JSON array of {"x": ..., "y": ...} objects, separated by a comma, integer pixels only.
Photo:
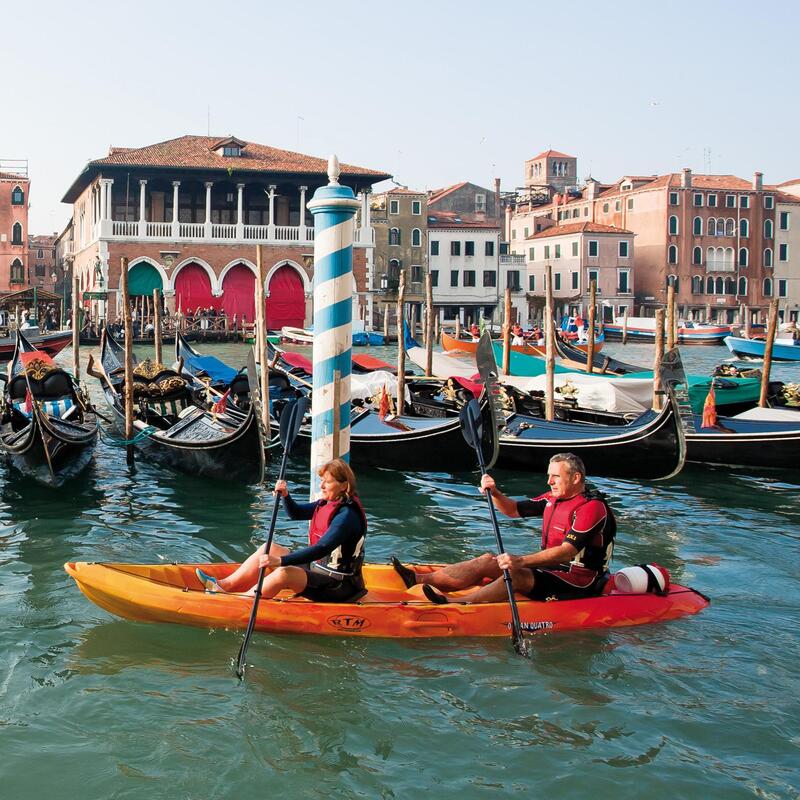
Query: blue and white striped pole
[{"x": 334, "y": 208}]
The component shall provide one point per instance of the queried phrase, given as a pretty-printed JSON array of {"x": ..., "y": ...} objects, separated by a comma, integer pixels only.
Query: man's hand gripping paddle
[{"x": 472, "y": 428}]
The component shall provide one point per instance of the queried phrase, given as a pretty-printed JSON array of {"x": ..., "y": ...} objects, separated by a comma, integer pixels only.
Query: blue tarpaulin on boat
[{"x": 214, "y": 368}]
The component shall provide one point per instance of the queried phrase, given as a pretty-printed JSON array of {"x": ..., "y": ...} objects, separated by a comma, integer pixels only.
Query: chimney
[
  {"x": 508, "y": 223},
  {"x": 591, "y": 188},
  {"x": 758, "y": 181},
  {"x": 686, "y": 178},
  {"x": 497, "y": 209}
]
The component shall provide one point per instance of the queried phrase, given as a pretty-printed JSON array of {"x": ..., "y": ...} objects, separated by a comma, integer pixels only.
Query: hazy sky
[{"x": 432, "y": 92}]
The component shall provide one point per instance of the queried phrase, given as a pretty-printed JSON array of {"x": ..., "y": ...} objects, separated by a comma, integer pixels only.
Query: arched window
[
  {"x": 709, "y": 285},
  {"x": 767, "y": 287},
  {"x": 17, "y": 272},
  {"x": 555, "y": 168},
  {"x": 17, "y": 196},
  {"x": 672, "y": 254},
  {"x": 394, "y": 236},
  {"x": 730, "y": 286},
  {"x": 673, "y": 225},
  {"x": 727, "y": 261},
  {"x": 744, "y": 227},
  {"x": 16, "y": 234},
  {"x": 743, "y": 257},
  {"x": 719, "y": 286},
  {"x": 416, "y": 238},
  {"x": 674, "y": 281},
  {"x": 730, "y": 227},
  {"x": 394, "y": 268},
  {"x": 697, "y": 226},
  {"x": 742, "y": 287},
  {"x": 768, "y": 229},
  {"x": 711, "y": 258},
  {"x": 767, "y": 256},
  {"x": 712, "y": 226},
  {"x": 697, "y": 284},
  {"x": 697, "y": 255}
]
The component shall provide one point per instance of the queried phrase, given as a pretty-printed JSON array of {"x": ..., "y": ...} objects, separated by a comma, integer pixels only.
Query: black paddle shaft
[
  {"x": 296, "y": 412},
  {"x": 516, "y": 625}
]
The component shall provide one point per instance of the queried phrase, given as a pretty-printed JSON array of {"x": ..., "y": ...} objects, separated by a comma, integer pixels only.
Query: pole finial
[{"x": 333, "y": 170}]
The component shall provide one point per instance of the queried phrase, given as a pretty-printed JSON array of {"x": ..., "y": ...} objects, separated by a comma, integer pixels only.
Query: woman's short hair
[
  {"x": 574, "y": 463},
  {"x": 341, "y": 472}
]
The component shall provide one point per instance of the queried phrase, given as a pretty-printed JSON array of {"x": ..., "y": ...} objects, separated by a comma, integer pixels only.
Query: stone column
[
  {"x": 207, "y": 232},
  {"x": 142, "y": 220},
  {"x": 109, "y": 204},
  {"x": 175, "y": 226},
  {"x": 240, "y": 211},
  {"x": 271, "y": 228},
  {"x": 302, "y": 223}
]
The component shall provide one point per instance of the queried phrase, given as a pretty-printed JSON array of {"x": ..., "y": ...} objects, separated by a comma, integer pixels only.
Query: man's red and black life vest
[{"x": 585, "y": 521}]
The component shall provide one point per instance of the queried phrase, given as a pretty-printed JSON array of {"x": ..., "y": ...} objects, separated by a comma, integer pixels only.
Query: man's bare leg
[{"x": 462, "y": 575}]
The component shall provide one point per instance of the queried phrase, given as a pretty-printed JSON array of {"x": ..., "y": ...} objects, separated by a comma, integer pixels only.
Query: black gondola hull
[
  {"x": 36, "y": 450},
  {"x": 651, "y": 449},
  {"x": 228, "y": 447},
  {"x": 756, "y": 445}
]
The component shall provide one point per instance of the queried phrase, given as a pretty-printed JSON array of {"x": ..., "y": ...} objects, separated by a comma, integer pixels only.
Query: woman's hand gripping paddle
[{"x": 291, "y": 420}]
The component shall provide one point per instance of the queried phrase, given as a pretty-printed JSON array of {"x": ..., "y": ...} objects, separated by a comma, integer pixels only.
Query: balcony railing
[
  {"x": 512, "y": 258},
  {"x": 194, "y": 231}
]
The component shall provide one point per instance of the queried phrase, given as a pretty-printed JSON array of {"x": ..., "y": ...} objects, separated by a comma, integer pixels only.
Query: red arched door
[
  {"x": 286, "y": 304},
  {"x": 238, "y": 293},
  {"x": 193, "y": 290}
]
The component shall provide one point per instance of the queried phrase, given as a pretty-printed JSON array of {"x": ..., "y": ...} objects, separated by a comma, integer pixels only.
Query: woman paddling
[{"x": 329, "y": 569}]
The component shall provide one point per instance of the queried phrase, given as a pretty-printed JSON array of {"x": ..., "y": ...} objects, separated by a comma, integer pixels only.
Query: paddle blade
[
  {"x": 487, "y": 367},
  {"x": 472, "y": 424},
  {"x": 291, "y": 420}
]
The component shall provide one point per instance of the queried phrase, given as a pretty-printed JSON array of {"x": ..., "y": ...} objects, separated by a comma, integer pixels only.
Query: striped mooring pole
[{"x": 334, "y": 208}]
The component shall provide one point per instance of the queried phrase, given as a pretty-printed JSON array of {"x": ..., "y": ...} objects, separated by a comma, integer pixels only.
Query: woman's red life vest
[{"x": 325, "y": 512}]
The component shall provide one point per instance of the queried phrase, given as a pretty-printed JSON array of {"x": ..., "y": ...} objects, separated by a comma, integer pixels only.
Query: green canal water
[{"x": 96, "y": 707}]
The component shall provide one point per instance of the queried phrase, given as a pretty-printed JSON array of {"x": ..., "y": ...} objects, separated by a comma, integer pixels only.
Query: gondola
[
  {"x": 174, "y": 426},
  {"x": 651, "y": 447},
  {"x": 49, "y": 428},
  {"x": 761, "y": 437},
  {"x": 209, "y": 372}
]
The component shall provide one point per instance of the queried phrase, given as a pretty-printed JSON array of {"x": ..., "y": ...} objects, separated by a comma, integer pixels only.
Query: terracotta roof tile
[
  {"x": 550, "y": 154},
  {"x": 791, "y": 182},
  {"x": 454, "y": 219},
  {"x": 404, "y": 191},
  {"x": 437, "y": 194},
  {"x": 578, "y": 227},
  {"x": 197, "y": 152}
]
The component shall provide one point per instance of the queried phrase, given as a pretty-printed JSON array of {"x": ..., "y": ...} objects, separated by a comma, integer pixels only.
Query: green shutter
[{"x": 142, "y": 279}]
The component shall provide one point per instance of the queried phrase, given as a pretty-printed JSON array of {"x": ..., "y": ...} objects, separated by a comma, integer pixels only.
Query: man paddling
[{"x": 578, "y": 530}]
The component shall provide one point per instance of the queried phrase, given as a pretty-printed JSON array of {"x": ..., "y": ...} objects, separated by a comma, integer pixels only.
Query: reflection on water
[{"x": 705, "y": 705}]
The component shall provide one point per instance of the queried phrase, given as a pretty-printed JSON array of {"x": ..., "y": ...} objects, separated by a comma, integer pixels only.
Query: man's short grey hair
[{"x": 574, "y": 463}]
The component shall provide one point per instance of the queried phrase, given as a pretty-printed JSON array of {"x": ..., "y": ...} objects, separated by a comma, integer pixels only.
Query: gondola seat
[{"x": 57, "y": 407}]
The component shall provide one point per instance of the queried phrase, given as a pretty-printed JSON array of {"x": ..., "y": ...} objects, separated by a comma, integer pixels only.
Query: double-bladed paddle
[
  {"x": 291, "y": 420},
  {"x": 472, "y": 428}
]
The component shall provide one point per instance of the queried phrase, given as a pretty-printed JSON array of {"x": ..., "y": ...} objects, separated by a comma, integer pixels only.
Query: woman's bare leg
[
  {"x": 281, "y": 578},
  {"x": 246, "y": 574}
]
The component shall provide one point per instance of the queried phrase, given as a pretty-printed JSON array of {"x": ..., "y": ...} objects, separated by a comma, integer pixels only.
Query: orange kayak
[{"x": 172, "y": 593}]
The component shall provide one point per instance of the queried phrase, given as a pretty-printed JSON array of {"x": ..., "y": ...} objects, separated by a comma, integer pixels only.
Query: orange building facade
[{"x": 14, "y": 193}]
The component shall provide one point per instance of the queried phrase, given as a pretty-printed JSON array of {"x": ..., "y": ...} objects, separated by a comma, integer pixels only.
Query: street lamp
[{"x": 384, "y": 283}]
